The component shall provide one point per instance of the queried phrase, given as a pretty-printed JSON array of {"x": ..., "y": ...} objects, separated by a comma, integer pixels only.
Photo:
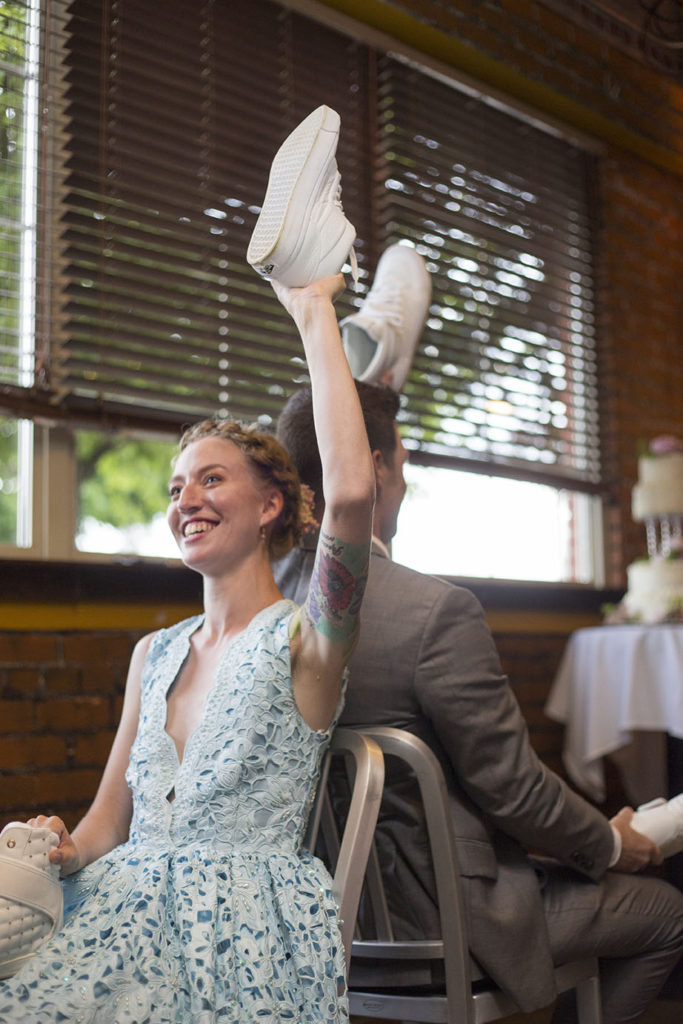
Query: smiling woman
[
  {"x": 267, "y": 463},
  {"x": 193, "y": 841},
  {"x": 215, "y": 497}
]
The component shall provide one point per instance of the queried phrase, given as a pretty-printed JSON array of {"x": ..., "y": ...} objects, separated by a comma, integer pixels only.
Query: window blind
[
  {"x": 505, "y": 373},
  {"x": 157, "y": 127},
  {"x": 171, "y": 134},
  {"x": 169, "y": 119},
  {"x": 19, "y": 72}
]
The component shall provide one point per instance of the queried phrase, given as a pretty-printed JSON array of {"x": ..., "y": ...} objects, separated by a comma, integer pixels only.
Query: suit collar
[{"x": 379, "y": 548}]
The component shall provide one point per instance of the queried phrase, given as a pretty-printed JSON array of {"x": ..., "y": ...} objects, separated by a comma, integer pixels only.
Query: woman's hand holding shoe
[{"x": 66, "y": 852}]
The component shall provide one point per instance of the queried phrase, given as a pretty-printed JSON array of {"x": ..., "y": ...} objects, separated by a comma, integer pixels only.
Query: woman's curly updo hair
[{"x": 270, "y": 465}]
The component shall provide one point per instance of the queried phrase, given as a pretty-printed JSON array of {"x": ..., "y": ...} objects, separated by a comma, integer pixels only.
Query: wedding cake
[
  {"x": 659, "y": 491},
  {"x": 655, "y": 583}
]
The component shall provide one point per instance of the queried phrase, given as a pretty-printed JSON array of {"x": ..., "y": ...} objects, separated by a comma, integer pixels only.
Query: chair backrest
[
  {"x": 435, "y": 974},
  {"x": 451, "y": 949},
  {"x": 347, "y": 853}
]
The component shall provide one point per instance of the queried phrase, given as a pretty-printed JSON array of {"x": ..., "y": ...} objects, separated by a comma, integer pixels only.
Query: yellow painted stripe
[
  {"x": 91, "y": 616},
  {"x": 450, "y": 51},
  {"x": 107, "y": 615},
  {"x": 502, "y": 621}
]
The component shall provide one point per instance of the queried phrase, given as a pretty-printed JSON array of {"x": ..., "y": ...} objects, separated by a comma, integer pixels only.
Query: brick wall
[
  {"x": 61, "y": 695},
  {"x": 641, "y": 318},
  {"x": 530, "y": 660},
  {"x": 60, "y": 702}
]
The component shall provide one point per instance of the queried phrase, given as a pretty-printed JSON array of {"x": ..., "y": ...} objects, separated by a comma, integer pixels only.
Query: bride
[{"x": 187, "y": 894}]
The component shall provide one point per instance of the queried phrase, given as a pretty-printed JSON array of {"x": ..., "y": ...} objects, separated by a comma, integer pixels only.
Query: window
[
  {"x": 454, "y": 523},
  {"x": 500, "y": 210},
  {"x": 19, "y": 76},
  {"x": 19, "y": 125},
  {"x": 170, "y": 131},
  {"x": 122, "y": 494},
  {"x": 136, "y": 153},
  {"x": 15, "y": 481},
  {"x": 505, "y": 375}
]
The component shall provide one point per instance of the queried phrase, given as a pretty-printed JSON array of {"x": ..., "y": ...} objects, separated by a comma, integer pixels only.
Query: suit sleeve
[{"x": 461, "y": 689}]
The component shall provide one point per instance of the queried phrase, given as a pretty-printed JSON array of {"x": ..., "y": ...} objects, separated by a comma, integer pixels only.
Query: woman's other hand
[{"x": 66, "y": 852}]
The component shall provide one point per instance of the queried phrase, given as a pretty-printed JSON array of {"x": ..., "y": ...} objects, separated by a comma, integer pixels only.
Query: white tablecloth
[{"x": 614, "y": 683}]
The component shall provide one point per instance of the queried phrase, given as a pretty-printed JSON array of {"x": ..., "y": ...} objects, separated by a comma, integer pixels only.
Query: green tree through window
[
  {"x": 9, "y": 480},
  {"x": 122, "y": 482}
]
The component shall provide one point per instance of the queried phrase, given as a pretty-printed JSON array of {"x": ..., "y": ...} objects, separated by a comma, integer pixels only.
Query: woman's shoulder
[
  {"x": 270, "y": 621},
  {"x": 269, "y": 632},
  {"x": 159, "y": 640},
  {"x": 279, "y": 614}
]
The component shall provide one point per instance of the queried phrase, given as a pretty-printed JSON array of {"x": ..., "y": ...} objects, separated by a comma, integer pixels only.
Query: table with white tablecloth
[{"x": 619, "y": 692}]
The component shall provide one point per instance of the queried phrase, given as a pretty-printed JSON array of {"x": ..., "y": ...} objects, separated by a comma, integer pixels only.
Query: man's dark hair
[{"x": 296, "y": 432}]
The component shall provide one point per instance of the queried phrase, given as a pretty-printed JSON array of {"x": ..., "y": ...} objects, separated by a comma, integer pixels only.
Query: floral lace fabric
[{"x": 211, "y": 912}]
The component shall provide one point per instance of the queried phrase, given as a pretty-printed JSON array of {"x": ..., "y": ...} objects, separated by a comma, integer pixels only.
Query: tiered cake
[{"x": 655, "y": 583}]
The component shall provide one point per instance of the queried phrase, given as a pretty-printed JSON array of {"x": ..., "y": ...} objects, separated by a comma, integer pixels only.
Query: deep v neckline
[{"x": 187, "y": 641}]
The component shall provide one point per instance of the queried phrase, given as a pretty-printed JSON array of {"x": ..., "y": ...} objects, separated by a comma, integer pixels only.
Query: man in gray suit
[{"x": 426, "y": 662}]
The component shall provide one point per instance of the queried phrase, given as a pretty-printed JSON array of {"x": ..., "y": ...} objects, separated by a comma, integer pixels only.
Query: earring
[{"x": 262, "y": 533}]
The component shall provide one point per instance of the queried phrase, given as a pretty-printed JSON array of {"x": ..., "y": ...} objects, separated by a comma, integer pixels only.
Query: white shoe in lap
[
  {"x": 380, "y": 339},
  {"x": 30, "y": 893},
  {"x": 662, "y": 822},
  {"x": 302, "y": 234}
]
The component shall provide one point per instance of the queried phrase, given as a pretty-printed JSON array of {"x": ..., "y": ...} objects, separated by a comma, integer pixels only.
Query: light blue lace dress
[{"x": 211, "y": 911}]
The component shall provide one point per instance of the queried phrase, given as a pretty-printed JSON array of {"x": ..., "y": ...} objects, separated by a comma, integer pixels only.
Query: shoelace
[
  {"x": 385, "y": 305},
  {"x": 354, "y": 268},
  {"x": 336, "y": 199}
]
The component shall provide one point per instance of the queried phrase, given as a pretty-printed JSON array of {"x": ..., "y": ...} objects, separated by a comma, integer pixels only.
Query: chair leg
[{"x": 588, "y": 1001}]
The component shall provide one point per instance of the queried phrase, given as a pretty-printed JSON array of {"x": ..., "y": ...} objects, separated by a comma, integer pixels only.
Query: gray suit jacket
[{"x": 426, "y": 662}]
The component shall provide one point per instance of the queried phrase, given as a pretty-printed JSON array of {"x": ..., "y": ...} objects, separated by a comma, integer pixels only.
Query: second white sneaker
[
  {"x": 301, "y": 233},
  {"x": 380, "y": 339},
  {"x": 662, "y": 821}
]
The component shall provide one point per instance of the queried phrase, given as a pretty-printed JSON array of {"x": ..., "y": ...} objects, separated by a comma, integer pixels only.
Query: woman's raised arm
[{"x": 329, "y": 620}]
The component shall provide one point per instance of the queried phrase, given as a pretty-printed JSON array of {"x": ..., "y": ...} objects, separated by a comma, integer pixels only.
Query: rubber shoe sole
[{"x": 301, "y": 233}]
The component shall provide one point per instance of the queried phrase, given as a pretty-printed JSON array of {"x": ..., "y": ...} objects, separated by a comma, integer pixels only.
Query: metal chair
[
  {"x": 431, "y": 980},
  {"x": 347, "y": 853}
]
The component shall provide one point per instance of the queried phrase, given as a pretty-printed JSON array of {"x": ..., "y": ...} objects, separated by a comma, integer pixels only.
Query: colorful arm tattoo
[{"x": 337, "y": 585}]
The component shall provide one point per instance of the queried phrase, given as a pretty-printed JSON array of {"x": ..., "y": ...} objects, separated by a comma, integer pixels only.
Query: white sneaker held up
[
  {"x": 302, "y": 233},
  {"x": 381, "y": 338}
]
